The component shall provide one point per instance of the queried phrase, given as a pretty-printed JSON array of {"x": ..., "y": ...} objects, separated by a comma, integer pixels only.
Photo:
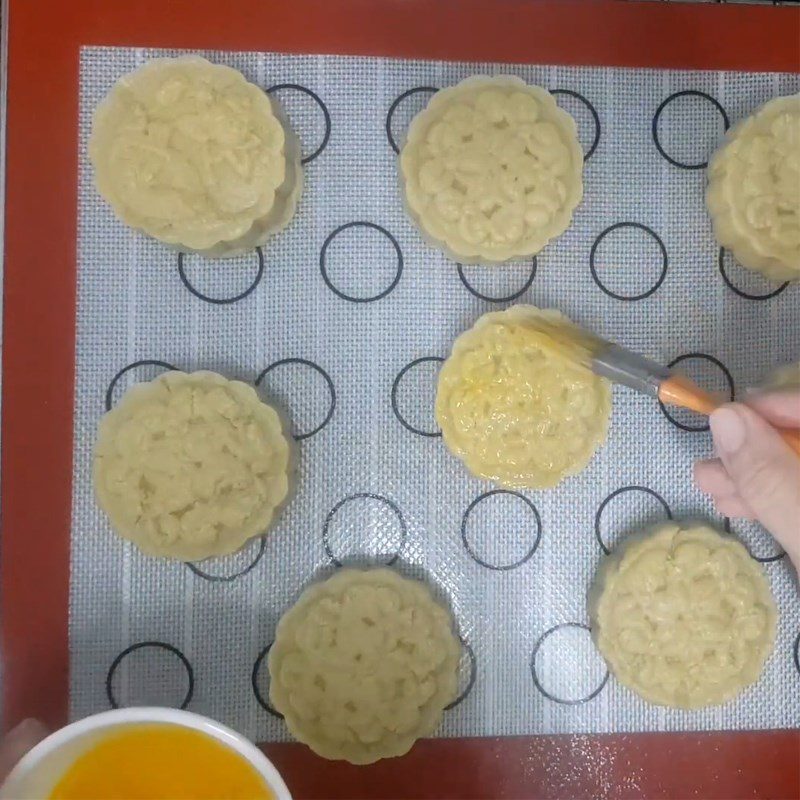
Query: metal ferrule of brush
[{"x": 630, "y": 369}]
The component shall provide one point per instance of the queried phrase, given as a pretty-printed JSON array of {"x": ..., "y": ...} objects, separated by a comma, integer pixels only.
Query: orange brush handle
[{"x": 678, "y": 390}]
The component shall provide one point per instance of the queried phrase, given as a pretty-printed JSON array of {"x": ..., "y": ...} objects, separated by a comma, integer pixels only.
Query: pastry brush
[{"x": 630, "y": 369}]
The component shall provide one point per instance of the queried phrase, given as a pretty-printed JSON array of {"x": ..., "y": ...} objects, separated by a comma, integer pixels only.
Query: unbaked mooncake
[
  {"x": 683, "y": 615},
  {"x": 192, "y": 154},
  {"x": 190, "y": 466},
  {"x": 492, "y": 169},
  {"x": 363, "y": 665},
  {"x": 515, "y": 405},
  {"x": 753, "y": 191}
]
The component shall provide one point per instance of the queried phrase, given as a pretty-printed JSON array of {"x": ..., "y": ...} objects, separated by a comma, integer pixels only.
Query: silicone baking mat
[
  {"x": 343, "y": 320},
  {"x": 39, "y": 360}
]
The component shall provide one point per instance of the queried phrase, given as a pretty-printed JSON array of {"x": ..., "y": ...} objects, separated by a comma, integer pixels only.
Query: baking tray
[{"x": 36, "y": 669}]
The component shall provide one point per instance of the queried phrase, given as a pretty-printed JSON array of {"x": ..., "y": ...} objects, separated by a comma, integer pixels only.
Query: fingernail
[{"x": 728, "y": 429}]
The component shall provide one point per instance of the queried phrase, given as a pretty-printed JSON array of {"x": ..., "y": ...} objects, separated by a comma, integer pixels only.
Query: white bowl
[{"x": 35, "y": 776}]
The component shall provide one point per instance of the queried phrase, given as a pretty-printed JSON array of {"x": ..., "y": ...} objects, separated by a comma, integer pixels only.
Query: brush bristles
[{"x": 570, "y": 341}]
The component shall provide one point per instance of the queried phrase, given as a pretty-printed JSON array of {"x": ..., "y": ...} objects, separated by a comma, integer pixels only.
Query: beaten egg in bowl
[{"x": 146, "y": 762}]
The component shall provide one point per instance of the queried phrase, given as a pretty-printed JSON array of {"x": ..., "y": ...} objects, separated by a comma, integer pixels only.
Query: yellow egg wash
[{"x": 152, "y": 762}]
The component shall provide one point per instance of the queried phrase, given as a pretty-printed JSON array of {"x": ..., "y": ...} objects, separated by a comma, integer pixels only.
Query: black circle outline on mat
[
  {"x": 505, "y": 567},
  {"x": 364, "y": 224},
  {"x": 222, "y": 301},
  {"x": 473, "y": 674},
  {"x": 364, "y": 496},
  {"x": 541, "y": 688},
  {"x": 746, "y": 295},
  {"x": 145, "y": 362},
  {"x": 660, "y": 109},
  {"x": 393, "y": 108},
  {"x": 797, "y": 653},
  {"x": 254, "y": 682},
  {"x": 298, "y": 437},
  {"x": 760, "y": 559},
  {"x": 325, "y": 113},
  {"x": 664, "y": 259},
  {"x": 396, "y": 386},
  {"x": 725, "y": 372},
  {"x": 486, "y": 297},
  {"x": 602, "y": 507},
  {"x": 228, "y": 578},
  {"x": 139, "y": 646},
  {"x": 592, "y": 111}
]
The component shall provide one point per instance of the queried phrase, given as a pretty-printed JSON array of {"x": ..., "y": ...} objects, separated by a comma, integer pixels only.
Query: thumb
[
  {"x": 763, "y": 468},
  {"x": 17, "y": 742}
]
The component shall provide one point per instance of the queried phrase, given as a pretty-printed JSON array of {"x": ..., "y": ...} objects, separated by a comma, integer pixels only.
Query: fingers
[
  {"x": 764, "y": 471},
  {"x": 781, "y": 407},
  {"x": 712, "y": 478},
  {"x": 734, "y": 507},
  {"x": 17, "y": 742}
]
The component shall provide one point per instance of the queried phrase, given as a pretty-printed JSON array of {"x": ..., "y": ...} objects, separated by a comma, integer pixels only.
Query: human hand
[
  {"x": 17, "y": 742},
  {"x": 757, "y": 476}
]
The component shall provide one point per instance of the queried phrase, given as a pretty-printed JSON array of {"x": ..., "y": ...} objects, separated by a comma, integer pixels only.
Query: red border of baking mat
[{"x": 39, "y": 343}]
